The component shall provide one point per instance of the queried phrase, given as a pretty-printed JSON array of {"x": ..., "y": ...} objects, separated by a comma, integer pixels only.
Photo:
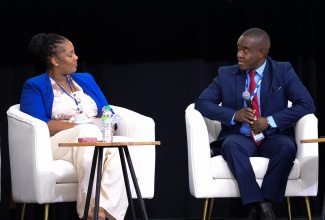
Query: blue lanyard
[
  {"x": 75, "y": 100},
  {"x": 258, "y": 84}
]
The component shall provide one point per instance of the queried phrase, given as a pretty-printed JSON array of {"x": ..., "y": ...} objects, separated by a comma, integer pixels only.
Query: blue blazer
[
  {"x": 37, "y": 94},
  {"x": 280, "y": 83}
]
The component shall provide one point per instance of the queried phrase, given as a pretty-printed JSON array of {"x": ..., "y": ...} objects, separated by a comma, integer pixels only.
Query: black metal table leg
[
  {"x": 323, "y": 211},
  {"x": 126, "y": 181},
  {"x": 97, "y": 160},
  {"x": 135, "y": 182},
  {"x": 91, "y": 182},
  {"x": 99, "y": 175}
]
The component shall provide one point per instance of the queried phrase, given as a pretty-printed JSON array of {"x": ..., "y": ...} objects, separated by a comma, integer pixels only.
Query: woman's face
[{"x": 66, "y": 59}]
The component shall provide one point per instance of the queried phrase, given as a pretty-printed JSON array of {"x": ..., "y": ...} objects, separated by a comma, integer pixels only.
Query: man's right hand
[{"x": 245, "y": 115}]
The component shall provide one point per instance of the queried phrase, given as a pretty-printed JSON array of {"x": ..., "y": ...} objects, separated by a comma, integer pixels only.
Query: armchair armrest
[
  {"x": 30, "y": 157},
  {"x": 199, "y": 155},
  {"x": 142, "y": 128},
  {"x": 307, "y": 128},
  {"x": 307, "y": 153}
]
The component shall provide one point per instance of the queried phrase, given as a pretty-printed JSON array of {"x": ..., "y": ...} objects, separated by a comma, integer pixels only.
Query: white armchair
[
  {"x": 37, "y": 178},
  {"x": 211, "y": 178}
]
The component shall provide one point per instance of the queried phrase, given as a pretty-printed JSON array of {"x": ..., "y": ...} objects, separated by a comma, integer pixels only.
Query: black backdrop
[{"x": 156, "y": 57}]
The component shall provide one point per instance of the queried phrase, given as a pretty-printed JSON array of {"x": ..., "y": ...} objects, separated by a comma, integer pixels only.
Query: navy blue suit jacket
[{"x": 280, "y": 83}]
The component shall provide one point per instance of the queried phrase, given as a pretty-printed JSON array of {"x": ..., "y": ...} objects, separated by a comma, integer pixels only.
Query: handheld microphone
[{"x": 246, "y": 96}]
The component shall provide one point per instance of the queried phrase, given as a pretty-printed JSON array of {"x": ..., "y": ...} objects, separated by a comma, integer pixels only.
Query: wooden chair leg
[
  {"x": 46, "y": 211},
  {"x": 289, "y": 208},
  {"x": 308, "y": 207},
  {"x": 22, "y": 212}
]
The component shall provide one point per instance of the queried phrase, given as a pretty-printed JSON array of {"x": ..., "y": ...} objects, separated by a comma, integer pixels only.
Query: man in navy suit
[{"x": 271, "y": 121}]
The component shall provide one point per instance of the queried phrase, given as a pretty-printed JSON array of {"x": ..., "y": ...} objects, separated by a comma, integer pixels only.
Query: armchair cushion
[{"x": 220, "y": 169}]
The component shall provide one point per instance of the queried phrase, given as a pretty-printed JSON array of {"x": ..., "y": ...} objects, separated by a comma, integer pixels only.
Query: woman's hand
[{"x": 56, "y": 126}]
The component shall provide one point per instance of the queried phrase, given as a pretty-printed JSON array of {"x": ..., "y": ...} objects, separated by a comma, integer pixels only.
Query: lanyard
[
  {"x": 258, "y": 84},
  {"x": 75, "y": 100}
]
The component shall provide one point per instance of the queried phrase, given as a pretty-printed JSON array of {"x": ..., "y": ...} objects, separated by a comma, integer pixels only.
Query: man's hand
[
  {"x": 245, "y": 115},
  {"x": 259, "y": 125}
]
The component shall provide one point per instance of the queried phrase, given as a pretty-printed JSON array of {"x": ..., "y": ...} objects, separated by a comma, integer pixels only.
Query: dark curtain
[{"x": 156, "y": 57}]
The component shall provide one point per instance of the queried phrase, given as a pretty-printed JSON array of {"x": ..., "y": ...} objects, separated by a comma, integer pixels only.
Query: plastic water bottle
[{"x": 107, "y": 116}]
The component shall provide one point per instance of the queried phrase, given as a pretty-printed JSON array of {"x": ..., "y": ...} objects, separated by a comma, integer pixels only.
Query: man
[{"x": 257, "y": 125}]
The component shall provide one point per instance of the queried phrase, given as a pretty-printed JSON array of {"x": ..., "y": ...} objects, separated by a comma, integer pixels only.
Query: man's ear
[{"x": 261, "y": 53}]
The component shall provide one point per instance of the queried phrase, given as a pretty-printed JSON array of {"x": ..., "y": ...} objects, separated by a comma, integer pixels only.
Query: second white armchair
[{"x": 211, "y": 178}]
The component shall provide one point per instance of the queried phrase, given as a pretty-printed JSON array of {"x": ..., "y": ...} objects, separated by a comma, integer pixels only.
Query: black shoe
[
  {"x": 253, "y": 213},
  {"x": 266, "y": 212}
]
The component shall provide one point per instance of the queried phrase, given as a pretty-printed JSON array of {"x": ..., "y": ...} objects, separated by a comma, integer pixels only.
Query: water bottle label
[{"x": 106, "y": 119}]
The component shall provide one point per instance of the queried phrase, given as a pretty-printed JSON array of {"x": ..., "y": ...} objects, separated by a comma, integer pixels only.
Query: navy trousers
[{"x": 281, "y": 151}]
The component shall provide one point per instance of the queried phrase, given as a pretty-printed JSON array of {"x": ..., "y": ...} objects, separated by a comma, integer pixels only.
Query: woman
[{"x": 63, "y": 98}]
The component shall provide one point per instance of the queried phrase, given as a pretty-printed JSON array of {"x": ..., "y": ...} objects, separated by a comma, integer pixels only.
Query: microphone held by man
[{"x": 246, "y": 97}]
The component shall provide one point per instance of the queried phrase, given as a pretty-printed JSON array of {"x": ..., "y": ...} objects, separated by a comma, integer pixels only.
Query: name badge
[
  {"x": 258, "y": 137},
  {"x": 81, "y": 118}
]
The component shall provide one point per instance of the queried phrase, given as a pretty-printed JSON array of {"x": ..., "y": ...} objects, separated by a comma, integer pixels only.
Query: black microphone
[{"x": 246, "y": 96}]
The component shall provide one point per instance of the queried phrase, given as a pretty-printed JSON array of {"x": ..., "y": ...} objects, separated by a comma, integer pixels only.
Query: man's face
[{"x": 249, "y": 53}]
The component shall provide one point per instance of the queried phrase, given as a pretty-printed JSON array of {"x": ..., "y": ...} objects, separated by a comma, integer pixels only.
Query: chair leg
[
  {"x": 210, "y": 207},
  {"x": 289, "y": 208},
  {"x": 22, "y": 213},
  {"x": 308, "y": 207},
  {"x": 205, "y": 207},
  {"x": 46, "y": 211},
  {"x": 208, "y": 204}
]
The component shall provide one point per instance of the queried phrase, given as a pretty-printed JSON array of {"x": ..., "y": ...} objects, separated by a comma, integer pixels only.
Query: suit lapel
[
  {"x": 265, "y": 88},
  {"x": 240, "y": 87}
]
